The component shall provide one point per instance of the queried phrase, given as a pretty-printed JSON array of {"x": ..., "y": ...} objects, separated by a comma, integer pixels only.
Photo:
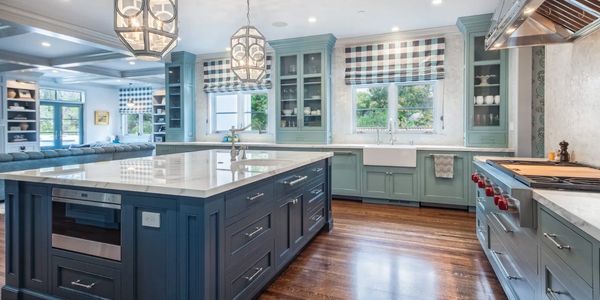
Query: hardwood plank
[
  {"x": 391, "y": 252},
  {"x": 385, "y": 252}
]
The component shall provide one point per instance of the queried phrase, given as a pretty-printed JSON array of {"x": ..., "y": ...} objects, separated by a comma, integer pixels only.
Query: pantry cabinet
[{"x": 303, "y": 89}]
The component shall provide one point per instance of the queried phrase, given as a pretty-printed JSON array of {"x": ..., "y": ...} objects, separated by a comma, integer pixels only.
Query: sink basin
[{"x": 390, "y": 156}]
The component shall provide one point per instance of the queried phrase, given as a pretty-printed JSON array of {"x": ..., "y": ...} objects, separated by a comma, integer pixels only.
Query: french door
[{"x": 61, "y": 124}]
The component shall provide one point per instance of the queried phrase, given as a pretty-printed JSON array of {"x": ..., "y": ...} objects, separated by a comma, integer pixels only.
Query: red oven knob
[
  {"x": 497, "y": 199},
  {"x": 475, "y": 177},
  {"x": 489, "y": 191},
  {"x": 481, "y": 184},
  {"x": 503, "y": 204}
]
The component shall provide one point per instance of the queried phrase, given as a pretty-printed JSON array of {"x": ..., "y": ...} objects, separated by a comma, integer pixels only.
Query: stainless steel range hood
[{"x": 520, "y": 23}]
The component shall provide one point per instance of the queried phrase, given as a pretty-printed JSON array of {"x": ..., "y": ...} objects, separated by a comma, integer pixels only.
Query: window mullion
[{"x": 393, "y": 105}]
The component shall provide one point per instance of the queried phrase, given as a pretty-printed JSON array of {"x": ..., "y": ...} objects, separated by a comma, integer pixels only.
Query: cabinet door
[
  {"x": 346, "y": 173},
  {"x": 376, "y": 182},
  {"x": 289, "y": 228},
  {"x": 451, "y": 191},
  {"x": 403, "y": 185},
  {"x": 37, "y": 226},
  {"x": 288, "y": 93},
  {"x": 149, "y": 247},
  {"x": 313, "y": 113}
]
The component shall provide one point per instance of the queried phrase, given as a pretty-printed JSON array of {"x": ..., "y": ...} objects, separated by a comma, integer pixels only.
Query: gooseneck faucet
[
  {"x": 234, "y": 151},
  {"x": 391, "y": 131}
]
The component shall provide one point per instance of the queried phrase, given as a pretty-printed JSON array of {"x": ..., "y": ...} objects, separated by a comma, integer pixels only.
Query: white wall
[
  {"x": 96, "y": 98},
  {"x": 520, "y": 65},
  {"x": 573, "y": 97}
]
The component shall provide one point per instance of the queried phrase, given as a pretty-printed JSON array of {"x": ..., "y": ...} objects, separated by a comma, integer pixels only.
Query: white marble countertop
[
  {"x": 486, "y": 158},
  {"x": 579, "y": 208},
  {"x": 195, "y": 174},
  {"x": 342, "y": 146}
]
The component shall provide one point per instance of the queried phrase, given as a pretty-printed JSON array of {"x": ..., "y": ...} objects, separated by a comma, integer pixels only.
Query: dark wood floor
[{"x": 385, "y": 252}]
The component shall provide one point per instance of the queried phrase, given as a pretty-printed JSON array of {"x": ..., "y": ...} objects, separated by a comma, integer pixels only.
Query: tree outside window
[
  {"x": 137, "y": 124},
  {"x": 240, "y": 109},
  {"x": 371, "y": 107},
  {"x": 415, "y": 106}
]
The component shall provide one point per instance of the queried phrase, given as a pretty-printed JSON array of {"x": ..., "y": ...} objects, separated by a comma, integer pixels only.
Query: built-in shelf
[
  {"x": 21, "y": 99},
  {"x": 486, "y": 62},
  {"x": 22, "y": 110},
  {"x": 21, "y": 121},
  {"x": 487, "y": 85},
  {"x": 485, "y": 105}
]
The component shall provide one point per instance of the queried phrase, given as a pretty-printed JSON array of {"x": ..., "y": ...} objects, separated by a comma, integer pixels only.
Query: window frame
[
  {"x": 392, "y": 106},
  {"x": 58, "y": 105},
  {"x": 140, "y": 132},
  {"x": 240, "y": 111}
]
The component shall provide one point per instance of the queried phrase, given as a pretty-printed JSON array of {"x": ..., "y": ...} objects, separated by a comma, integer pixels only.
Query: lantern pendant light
[
  {"x": 148, "y": 28},
  {"x": 248, "y": 56}
]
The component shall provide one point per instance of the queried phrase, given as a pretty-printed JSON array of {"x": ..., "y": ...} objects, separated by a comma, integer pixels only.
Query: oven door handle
[{"x": 86, "y": 203}]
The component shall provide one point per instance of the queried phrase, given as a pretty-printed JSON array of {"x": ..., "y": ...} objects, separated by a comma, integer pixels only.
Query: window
[
  {"x": 411, "y": 105},
  {"x": 61, "y": 118},
  {"x": 137, "y": 124},
  {"x": 239, "y": 109}
]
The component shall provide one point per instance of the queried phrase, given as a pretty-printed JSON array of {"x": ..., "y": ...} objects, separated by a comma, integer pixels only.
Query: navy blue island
[{"x": 182, "y": 226}]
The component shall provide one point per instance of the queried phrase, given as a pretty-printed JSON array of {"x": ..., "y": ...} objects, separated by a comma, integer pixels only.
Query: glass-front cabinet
[
  {"x": 304, "y": 89},
  {"x": 180, "y": 98},
  {"x": 486, "y": 92}
]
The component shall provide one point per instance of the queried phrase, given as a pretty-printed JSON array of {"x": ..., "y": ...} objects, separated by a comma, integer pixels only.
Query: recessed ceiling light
[
  {"x": 436, "y": 2},
  {"x": 54, "y": 71},
  {"x": 279, "y": 24},
  {"x": 132, "y": 62},
  {"x": 395, "y": 29},
  {"x": 179, "y": 39},
  {"x": 361, "y": 11},
  {"x": 46, "y": 44},
  {"x": 228, "y": 49},
  {"x": 312, "y": 20}
]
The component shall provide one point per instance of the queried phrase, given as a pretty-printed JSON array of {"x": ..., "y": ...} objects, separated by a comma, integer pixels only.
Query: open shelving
[
  {"x": 21, "y": 116},
  {"x": 159, "y": 116}
]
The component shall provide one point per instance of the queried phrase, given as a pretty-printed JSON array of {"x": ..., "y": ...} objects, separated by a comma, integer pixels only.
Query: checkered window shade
[
  {"x": 135, "y": 100},
  {"x": 218, "y": 77},
  {"x": 396, "y": 61}
]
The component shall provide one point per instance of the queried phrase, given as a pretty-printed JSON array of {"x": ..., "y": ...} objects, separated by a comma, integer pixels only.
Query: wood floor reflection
[
  {"x": 391, "y": 252},
  {"x": 384, "y": 252}
]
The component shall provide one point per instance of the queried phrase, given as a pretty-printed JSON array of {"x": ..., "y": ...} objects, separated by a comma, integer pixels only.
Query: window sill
[{"x": 397, "y": 131}]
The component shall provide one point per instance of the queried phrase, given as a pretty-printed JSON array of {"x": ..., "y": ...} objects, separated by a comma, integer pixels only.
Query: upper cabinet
[
  {"x": 180, "y": 95},
  {"x": 303, "y": 89},
  {"x": 486, "y": 90}
]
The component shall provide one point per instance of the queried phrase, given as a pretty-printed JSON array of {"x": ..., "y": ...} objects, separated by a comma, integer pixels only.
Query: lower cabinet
[
  {"x": 390, "y": 183},
  {"x": 452, "y": 191},
  {"x": 346, "y": 173},
  {"x": 290, "y": 227},
  {"x": 73, "y": 279}
]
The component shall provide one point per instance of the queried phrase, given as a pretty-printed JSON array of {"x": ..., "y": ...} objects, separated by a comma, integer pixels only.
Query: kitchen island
[{"x": 182, "y": 226}]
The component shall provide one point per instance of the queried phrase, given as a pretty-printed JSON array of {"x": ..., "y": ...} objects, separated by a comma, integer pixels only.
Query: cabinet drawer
[
  {"x": 516, "y": 285},
  {"x": 559, "y": 281},
  {"x": 316, "y": 219},
  {"x": 299, "y": 178},
  {"x": 315, "y": 194},
  {"x": 249, "y": 279},
  {"x": 72, "y": 279},
  {"x": 481, "y": 227},
  {"x": 572, "y": 248},
  {"x": 239, "y": 203},
  {"x": 245, "y": 233}
]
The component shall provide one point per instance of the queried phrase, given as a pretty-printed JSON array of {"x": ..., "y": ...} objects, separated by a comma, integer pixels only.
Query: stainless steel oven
[{"x": 87, "y": 222}]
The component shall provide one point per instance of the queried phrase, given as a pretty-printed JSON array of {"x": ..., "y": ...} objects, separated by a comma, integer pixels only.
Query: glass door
[
  {"x": 48, "y": 134},
  {"x": 60, "y": 125},
  {"x": 288, "y": 89},
  {"x": 487, "y": 97},
  {"x": 312, "y": 91},
  {"x": 71, "y": 117}
]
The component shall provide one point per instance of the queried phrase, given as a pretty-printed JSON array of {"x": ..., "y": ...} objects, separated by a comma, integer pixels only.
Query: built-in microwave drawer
[
  {"x": 75, "y": 280},
  {"x": 567, "y": 244},
  {"x": 247, "y": 280},
  {"x": 240, "y": 202},
  {"x": 243, "y": 236}
]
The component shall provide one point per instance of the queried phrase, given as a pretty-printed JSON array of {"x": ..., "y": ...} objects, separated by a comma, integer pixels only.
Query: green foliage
[
  {"x": 371, "y": 107},
  {"x": 415, "y": 106},
  {"x": 259, "y": 104}
]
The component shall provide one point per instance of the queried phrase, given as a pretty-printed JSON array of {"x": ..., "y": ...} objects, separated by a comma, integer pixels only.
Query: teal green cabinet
[
  {"x": 452, "y": 191},
  {"x": 303, "y": 89},
  {"x": 390, "y": 183},
  {"x": 346, "y": 173},
  {"x": 181, "y": 97},
  {"x": 486, "y": 86}
]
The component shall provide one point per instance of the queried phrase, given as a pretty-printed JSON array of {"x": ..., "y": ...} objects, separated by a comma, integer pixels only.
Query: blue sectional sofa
[{"x": 61, "y": 157}]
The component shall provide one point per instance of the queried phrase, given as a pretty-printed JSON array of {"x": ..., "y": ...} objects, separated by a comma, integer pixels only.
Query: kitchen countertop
[
  {"x": 579, "y": 208},
  {"x": 194, "y": 174},
  {"x": 342, "y": 146}
]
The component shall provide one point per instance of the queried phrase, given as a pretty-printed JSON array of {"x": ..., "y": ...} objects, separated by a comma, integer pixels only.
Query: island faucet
[{"x": 234, "y": 151}]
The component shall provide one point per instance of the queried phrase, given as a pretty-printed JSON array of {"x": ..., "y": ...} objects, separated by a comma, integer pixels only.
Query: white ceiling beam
[
  {"x": 14, "y": 67},
  {"x": 143, "y": 73},
  {"x": 79, "y": 60},
  {"x": 8, "y": 29},
  {"x": 60, "y": 29},
  {"x": 23, "y": 59},
  {"x": 97, "y": 71}
]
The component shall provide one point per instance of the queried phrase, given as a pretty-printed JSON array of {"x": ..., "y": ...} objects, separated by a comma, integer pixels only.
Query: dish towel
[{"x": 444, "y": 165}]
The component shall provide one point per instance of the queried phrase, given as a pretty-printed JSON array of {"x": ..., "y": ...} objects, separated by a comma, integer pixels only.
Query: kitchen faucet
[
  {"x": 391, "y": 131},
  {"x": 234, "y": 152}
]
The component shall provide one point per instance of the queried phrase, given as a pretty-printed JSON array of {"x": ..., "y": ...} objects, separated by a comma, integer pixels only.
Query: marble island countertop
[
  {"x": 195, "y": 174},
  {"x": 341, "y": 146}
]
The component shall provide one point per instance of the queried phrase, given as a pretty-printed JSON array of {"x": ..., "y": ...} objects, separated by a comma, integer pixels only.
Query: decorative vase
[
  {"x": 12, "y": 93},
  {"x": 24, "y": 126}
]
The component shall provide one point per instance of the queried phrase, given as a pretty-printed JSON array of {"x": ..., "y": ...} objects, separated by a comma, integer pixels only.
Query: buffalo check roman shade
[
  {"x": 218, "y": 77},
  {"x": 135, "y": 100},
  {"x": 395, "y": 61}
]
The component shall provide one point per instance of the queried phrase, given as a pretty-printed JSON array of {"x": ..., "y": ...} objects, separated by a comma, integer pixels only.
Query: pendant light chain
[{"x": 248, "y": 11}]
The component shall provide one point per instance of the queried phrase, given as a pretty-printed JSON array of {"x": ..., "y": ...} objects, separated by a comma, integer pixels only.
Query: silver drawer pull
[
  {"x": 315, "y": 192},
  {"x": 296, "y": 181},
  {"x": 502, "y": 268},
  {"x": 318, "y": 218},
  {"x": 552, "y": 294},
  {"x": 552, "y": 238},
  {"x": 293, "y": 201},
  {"x": 317, "y": 170},
  {"x": 504, "y": 228},
  {"x": 251, "y": 278},
  {"x": 253, "y": 233},
  {"x": 79, "y": 284},
  {"x": 257, "y": 196}
]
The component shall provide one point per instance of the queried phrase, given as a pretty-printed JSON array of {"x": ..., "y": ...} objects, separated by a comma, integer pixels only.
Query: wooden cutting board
[{"x": 557, "y": 171}]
